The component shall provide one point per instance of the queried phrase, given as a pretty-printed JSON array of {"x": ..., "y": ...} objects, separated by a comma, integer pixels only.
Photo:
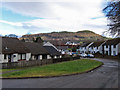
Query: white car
[
  {"x": 90, "y": 55},
  {"x": 83, "y": 55}
]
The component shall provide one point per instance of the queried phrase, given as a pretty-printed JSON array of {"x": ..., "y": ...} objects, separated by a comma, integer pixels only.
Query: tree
[
  {"x": 38, "y": 40},
  {"x": 74, "y": 49},
  {"x": 23, "y": 40},
  {"x": 112, "y": 12}
]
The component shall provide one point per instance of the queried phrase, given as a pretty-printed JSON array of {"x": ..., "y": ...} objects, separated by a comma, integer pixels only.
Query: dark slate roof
[
  {"x": 112, "y": 41},
  {"x": 57, "y": 42},
  {"x": 35, "y": 48},
  {"x": 52, "y": 50},
  {"x": 12, "y": 45},
  {"x": 86, "y": 44},
  {"x": 62, "y": 47},
  {"x": 97, "y": 44}
]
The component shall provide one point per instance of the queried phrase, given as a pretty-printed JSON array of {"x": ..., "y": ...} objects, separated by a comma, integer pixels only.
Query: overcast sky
[{"x": 41, "y": 17}]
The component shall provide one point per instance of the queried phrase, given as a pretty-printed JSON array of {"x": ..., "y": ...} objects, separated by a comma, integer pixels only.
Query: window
[
  {"x": 19, "y": 56},
  {"x": 106, "y": 46},
  {"x": 97, "y": 47},
  {"x": 114, "y": 53},
  {"x": 5, "y": 56},
  {"x": 23, "y": 56},
  {"x": 44, "y": 56},
  {"x": 36, "y": 57},
  {"x": 14, "y": 55},
  {"x": 106, "y": 52},
  {"x": 114, "y": 46}
]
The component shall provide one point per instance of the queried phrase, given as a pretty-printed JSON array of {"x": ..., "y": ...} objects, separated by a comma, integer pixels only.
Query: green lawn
[
  {"x": 63, "y": 68},
  {"x": 5, "y": 70}
]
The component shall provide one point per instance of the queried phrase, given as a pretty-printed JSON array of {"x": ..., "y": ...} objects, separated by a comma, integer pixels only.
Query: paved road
[{"x": 103, "y": 77}]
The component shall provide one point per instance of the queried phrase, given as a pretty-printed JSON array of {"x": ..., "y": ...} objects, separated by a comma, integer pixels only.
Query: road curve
[{"x": 104, "y": 77}]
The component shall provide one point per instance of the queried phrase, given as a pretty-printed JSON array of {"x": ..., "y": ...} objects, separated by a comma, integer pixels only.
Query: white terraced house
[
  {"x": 112, "y": 47},
  {"x": 85, "y": 47},
  {"x": 96, "y": 47}
]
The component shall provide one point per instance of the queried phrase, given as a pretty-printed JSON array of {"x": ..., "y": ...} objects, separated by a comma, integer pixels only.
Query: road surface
[{"x": 102, "y": 77}]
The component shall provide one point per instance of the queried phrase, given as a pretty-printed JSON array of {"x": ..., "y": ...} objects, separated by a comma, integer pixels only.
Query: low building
[
  {"x": 70, "y": 43},
  {"x": 96, "y": 47},
  {"x": 13, "y": 50},
  {"x": 38, "y": 52},
  {"x": 85, "y": 47},
  {"x": 53, "y": 51},
  {"x": 112, "y": 47}
]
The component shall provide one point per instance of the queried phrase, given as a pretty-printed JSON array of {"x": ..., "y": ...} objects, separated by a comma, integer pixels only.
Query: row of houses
[
  {"x": 14, "y": 50},
  {"x": 109, "y": 47}
]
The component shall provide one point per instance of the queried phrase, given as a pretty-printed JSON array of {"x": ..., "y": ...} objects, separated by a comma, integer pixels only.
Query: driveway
[{"x": 103, "y": 77}]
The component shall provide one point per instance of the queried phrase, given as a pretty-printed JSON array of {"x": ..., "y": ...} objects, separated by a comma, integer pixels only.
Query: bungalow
[
  {"x": 63, "y": 49},
  {"x": 38, "y": 52},
  {"x": 96, "y": 47},
  {"x": 49, "y": 44},
  {"x": 70, "y": 43},
  {"x": 112, "y": 47},
  {"x": 53, "y": 51},
  {"x": 85, "y": 47},
  {"x": 13, "y": 50}
]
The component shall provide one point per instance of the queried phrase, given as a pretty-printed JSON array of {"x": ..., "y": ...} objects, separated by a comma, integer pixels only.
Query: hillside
[{"x": 80, "y": 36}]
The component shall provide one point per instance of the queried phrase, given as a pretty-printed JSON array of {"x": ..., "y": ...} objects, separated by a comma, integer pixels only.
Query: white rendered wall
[
  {"x": 114, "y": 50},
  {"x": 96, "y": 49},
  {"x": 100, "y": 49},
  {"x": 14, "y": 59},
  {"x": 91, "y": 50},
  {"x": 55, "y": 56},
  {"x": 60, "y": 56},
  {"x": 48, "y": 57},
  {"x": 33, "y": 57},
  {"x": 28, "y": 56},
  {"x": 40, "y": 57},
  {"x": 106, "y": 49},
  {"x": 2, "y": 60}
]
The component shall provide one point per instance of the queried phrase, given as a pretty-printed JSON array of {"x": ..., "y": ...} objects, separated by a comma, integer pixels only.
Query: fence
[
  {"x": 26, "y": 63},
  {"x": 30, "y": 63},
  {"x": 107, "y": 56}
]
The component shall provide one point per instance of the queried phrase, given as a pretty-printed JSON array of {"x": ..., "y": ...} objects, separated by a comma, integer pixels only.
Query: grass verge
[
  {"x": 63, "y": 68},
  {"x": 6, "y": 70}
]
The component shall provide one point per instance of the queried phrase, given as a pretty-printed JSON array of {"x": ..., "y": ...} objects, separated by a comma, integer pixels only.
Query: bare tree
[{"x": 112, "y": 12}]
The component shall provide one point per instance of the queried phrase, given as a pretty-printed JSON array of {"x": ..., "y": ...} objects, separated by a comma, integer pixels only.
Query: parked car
[
  {"x": 83, "y": 55},
  {"x": 90, "y": 55}
]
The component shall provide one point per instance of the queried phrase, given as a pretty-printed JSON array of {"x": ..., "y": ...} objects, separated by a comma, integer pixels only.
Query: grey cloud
[
  {"x": 35, "y": 9},
  {"x": 34, "y": 29},
  {"x": 95, "y": 26}
]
